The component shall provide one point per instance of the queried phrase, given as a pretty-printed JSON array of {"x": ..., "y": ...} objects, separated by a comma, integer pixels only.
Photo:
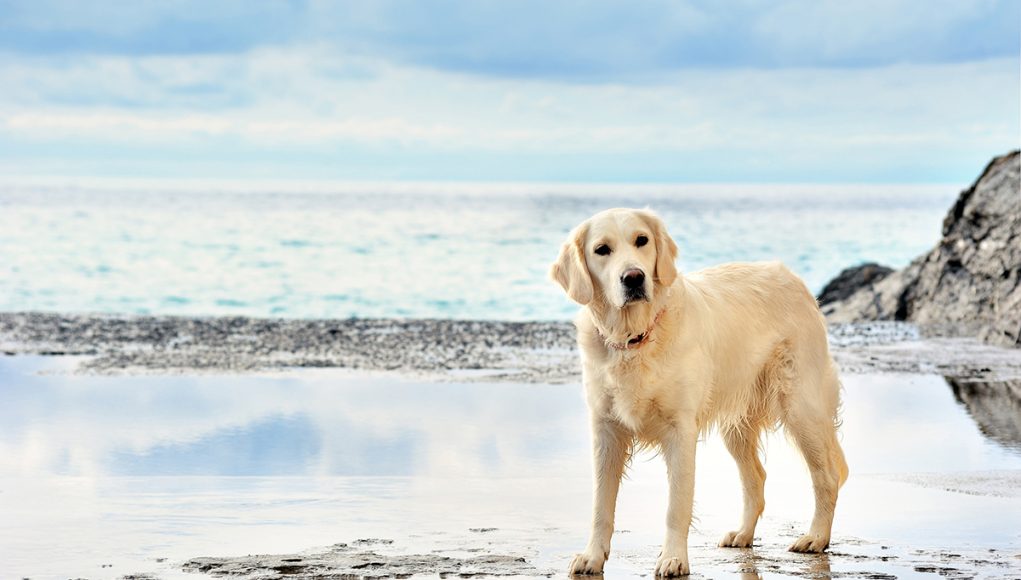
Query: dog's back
[{"x": 763, "y": 326}]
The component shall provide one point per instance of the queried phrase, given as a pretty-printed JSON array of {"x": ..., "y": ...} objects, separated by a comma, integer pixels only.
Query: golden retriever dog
[{"x": 740, "y": 348}]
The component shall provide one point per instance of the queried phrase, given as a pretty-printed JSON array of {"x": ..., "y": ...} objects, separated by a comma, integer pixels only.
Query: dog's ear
[
  {"x": 666, "y": 249},
  {"x": 571, "y": 270}
]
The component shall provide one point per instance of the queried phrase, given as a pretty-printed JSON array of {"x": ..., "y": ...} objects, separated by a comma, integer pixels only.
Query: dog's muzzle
[{"x": 633, "y": 281}]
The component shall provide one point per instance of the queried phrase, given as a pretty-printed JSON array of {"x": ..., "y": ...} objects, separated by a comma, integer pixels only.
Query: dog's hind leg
[
  {"x": 813, "y": 427},
  {"x": 743, "y": 443}
]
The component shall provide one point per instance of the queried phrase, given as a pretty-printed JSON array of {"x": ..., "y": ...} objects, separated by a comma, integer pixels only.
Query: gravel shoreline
[{"x": 462, "y": 350}]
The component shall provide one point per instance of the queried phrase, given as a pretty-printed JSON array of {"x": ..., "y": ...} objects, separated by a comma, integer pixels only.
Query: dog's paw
[
  {"x": 738, "y": 539},
  {"x": 672, "y": 566},
  {"x": 588, "y": 563},
  {"x": 810, "y": 543}
]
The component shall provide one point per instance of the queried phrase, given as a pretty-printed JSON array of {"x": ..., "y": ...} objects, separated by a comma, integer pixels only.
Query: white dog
[{"x": 739, "y": 347}]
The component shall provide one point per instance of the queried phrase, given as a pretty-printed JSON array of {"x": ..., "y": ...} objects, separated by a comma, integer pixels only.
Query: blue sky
[{"x": 739, "y": 91}]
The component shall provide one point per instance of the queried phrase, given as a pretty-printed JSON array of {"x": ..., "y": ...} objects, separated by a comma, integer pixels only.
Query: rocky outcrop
[
  {"x": 851, "y": 280},
  {"x": 970, "y": 283}
]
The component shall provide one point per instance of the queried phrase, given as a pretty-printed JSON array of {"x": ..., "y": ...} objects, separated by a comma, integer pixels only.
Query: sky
[{"x": 863, "y": 91}]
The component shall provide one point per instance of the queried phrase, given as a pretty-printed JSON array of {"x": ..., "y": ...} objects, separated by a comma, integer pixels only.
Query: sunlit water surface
[
  {"x": 105, "y": 476},
  {"x": 391, "y": 250}
]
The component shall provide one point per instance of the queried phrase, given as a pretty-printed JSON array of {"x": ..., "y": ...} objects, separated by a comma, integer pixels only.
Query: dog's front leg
[
  {"x": 611, "y": 446},
  {"x": 679, "y": 452}
]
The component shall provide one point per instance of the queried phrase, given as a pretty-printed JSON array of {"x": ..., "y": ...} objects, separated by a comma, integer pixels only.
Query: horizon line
[{"x": 412, "y": 183}]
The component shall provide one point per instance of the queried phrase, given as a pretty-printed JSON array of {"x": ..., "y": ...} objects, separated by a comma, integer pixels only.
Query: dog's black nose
[{"x": 633, "y": 278}]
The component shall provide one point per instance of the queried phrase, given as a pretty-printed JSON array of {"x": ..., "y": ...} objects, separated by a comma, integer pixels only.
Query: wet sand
[{"x": 330, "y": 472}]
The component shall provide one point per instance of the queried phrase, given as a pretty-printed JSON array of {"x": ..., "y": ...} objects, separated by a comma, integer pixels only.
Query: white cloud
[
  {"x": 313, "y": 97},
  {"x": 122, "y": 125},
  {"x": 147, "y": 127}
]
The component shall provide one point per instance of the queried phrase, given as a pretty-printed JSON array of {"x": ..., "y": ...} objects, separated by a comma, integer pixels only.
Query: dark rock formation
[
  {"x": 970, "y": 283},
  {"x": 851, "y": 280}
]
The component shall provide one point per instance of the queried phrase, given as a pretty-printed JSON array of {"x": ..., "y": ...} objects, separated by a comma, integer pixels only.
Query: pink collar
[{"x": 636, "y": 342}]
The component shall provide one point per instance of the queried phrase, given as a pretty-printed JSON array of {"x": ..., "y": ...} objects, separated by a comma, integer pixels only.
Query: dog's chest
[{"x": 632, "y": 400}]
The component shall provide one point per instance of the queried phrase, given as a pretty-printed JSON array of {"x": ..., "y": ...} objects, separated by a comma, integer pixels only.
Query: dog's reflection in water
[{"x": 811, "y": 565}]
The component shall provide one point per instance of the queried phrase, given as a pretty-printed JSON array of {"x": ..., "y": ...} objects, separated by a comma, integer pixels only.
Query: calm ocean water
[{"x": 459, "y": 251}]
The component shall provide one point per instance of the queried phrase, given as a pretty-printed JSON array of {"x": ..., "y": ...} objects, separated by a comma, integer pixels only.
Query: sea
[{"x": 408, "y": 250}]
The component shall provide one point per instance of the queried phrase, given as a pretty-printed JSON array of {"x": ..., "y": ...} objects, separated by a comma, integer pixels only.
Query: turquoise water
[{"x": 461, "y": 251}]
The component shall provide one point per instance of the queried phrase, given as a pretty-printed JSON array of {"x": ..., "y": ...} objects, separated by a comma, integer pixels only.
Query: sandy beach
[{"x": 165, "y": 447}]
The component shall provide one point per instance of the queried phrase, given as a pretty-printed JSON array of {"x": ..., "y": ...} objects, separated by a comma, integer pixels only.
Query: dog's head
[{"x": 623, "y": 255}]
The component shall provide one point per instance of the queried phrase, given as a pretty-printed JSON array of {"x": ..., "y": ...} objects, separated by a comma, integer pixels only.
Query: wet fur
[{"x": 740, "y": 348}]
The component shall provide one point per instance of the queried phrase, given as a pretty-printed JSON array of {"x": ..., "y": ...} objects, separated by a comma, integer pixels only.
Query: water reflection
[
  {"x": 278, "y": 444},
  {"x": 994, "y": 405},
  {"x": 315, "y": 424},
  {"x": 756, "y": 566},
  {"x": 84, "y": 464},
  {"x": 329, "y": 423}
]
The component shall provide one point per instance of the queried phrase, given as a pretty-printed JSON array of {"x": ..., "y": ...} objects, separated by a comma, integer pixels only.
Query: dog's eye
[
  {"x": 603, "y": 250},
  {"x": 641, "y": 241}
]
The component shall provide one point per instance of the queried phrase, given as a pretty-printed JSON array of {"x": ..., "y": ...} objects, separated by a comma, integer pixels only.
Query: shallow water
[
  {"x": 420, "y": 251},
  {"x": 104, "y": 476}
]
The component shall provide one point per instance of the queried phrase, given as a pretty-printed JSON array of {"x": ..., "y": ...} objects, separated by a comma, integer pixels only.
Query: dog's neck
[{"x": 629, "y": 327}]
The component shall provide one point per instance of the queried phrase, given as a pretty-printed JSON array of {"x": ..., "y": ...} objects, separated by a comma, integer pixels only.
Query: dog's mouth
[{"x": 632, "y": 295}]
